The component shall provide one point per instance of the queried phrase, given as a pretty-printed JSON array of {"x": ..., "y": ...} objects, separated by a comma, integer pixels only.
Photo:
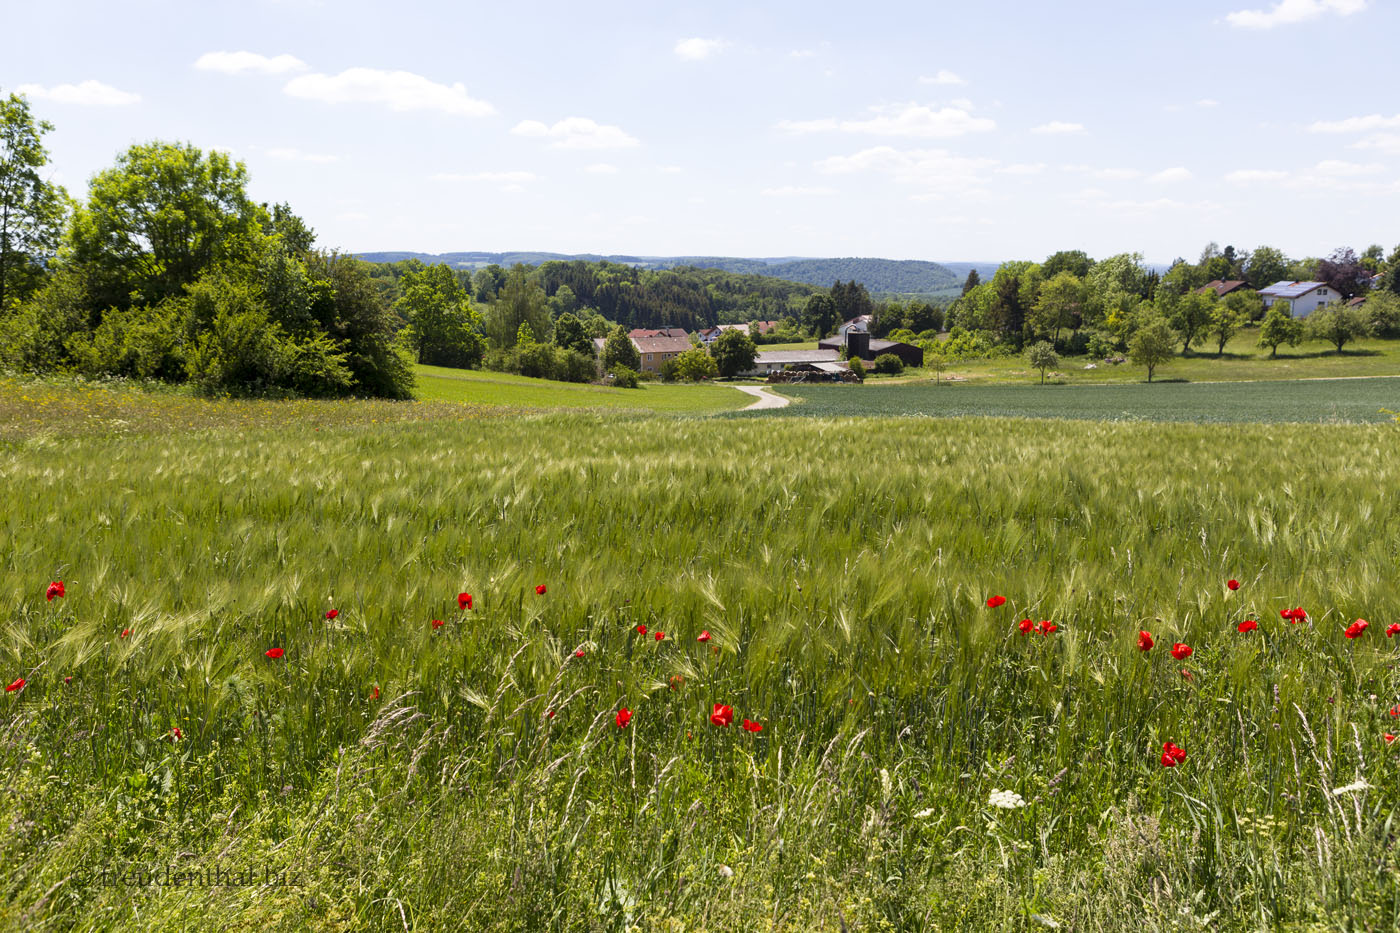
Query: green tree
[
  {"x": 284, "y": 224},
  {"x": 1267, "y": 265},
  {"x": 570, "y": 335},
  {"x": 1042, "y": 356},
  {"x": 1338, "y": 324},
  {"x": 563, "y": 301},
  {"x": 1280, "y": 327},
  {"x": 619, "y": 350},
  {"x": 734, "y": 352},
  {"x": 32, "y": 210},
  {"x": 1246, "y": 303},
  {"x": 858, "y": 368},
  {"x": 694, "y": 365},
  {"x": 1074, "y": 261},
  {"x": 1153, "y": 343},
  {"x": 1060, "y": 306},
  {"x": 1191, "y": 316},
  {"x": 889, "y": 364},
  {"x": 161, "y": 217},
  {"x": 1225, "y": 322},
  {"x": 1382, "y": 310},
  {"x": 820, "y": 316},
  {"x": 354, "y": 313},
  {"x": 972, "y": 281},
  {"x": 520, "y": 300},
  {"x": 443, "y": 327}
]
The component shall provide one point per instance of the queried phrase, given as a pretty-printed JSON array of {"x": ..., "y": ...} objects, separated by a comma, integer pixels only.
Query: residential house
[
  {"x": 1301, "y": 298},
  {"x": 657, "y": 346},
  {"x": 861, "y": 324},
  {"x": 859, "y": 343},
  {"x": 710, "y": 334},
  {"x": 1222, "y": 287}
]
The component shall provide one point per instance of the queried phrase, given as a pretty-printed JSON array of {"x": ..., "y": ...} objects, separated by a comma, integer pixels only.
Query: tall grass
[{"x": 842, "y": 567}]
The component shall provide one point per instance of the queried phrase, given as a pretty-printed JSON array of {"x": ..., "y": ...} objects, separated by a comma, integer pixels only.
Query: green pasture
[{"x": 479, "y": 387}]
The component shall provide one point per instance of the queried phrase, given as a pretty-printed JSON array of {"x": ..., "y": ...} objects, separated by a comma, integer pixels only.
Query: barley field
[{"x": 260, "y": 671}]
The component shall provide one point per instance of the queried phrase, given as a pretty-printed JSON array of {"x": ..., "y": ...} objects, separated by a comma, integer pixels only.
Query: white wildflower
[{"x": 1006, "y": 800}]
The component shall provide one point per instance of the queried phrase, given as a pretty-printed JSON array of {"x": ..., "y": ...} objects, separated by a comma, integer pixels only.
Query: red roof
[{"x": 666, "y": 340}]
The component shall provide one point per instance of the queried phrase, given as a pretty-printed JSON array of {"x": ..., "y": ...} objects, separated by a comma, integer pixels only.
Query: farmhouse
[
  {"x": 1222, "y": 287},
  {"x": 773, "y": 361},
  {"x": 859, "y": 343},
  {"x": 710, "y": 334},
  {"x": 1301, "y": 298},
  {"x": 653, "y": 346}
]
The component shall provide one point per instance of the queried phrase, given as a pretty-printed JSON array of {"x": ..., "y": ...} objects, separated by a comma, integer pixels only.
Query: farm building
[
  {"x": 1301, "y": 298},
  {"x": 773, "y": 361},
  {"x": 710, "y": 334},
  {"x": 859, "y": 343}
]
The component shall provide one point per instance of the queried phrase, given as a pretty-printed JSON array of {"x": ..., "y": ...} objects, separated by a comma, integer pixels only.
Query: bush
[
  {"x": 574, "y": 366},
  {"x": 142, "y": 343},
  {"x": 858, "y": 368},
  {"x": 694, "y": 365},
  {"x": 535, "y": 360},
  {"x": 888, "y": 364},
  {"x": 668, "y": 371},
  {"x": 624, "y": 377},
  {"x": 1102, "y": 344}
]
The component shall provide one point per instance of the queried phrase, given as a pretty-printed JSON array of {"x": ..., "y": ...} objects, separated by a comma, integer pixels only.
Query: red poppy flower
[
  {"x": 464, "y": 600},
  {"x": 722, "y": 715},
  {"x": 1355, "y": 629},
  {"x": 1168, "y": 761},
  {"x": 332, "y": 613},
  {"x": 274, "y": 653},
  {"x": 55, "y": 589},
  {"x": 1047, "y": 627},
  {"x": 16, "y": 686},
  {"x": 1145, "y": 641},
  {"x": 1389, "y": 738},
  {"x": 539, "y": 590},
  {"x": 375, "y": 694},
  {"x": 994, "y": 601},
  {"x": 175, "y": 734},
  {"x": 751, "y": 726},
  {"x": 1248, "y": 625},
  {"x": 437, "y": 624},
  {"x": 1181, "y": 652},
  {"x": 1392, "y": 630},
  {"x": 624, "y": 716},
  {"x": 705, "y": 635},
  {"x": 660, "y": 636},
  {"x": 1233, "y": 584},
  {"x": 68, "y": 679},
  {"x": 1172, "y": 755},
  {"x": 126, "y": 632},
  {"x": 1395, "y": 710},
  {"x": 1026, "y": 626},
  {"x": 676, "y": 681},
  {"x": 550, "y": 714},
  {"x": 1293, "y": 615},
  {"x": 641, "y": 630},
  {"x": 1187, "y": 675},
  {"x": 578, "y": 653}
]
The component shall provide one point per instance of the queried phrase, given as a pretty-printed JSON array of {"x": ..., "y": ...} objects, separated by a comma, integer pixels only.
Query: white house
[
  {"x": 1301, "y": 298},
  {"x": 858, "y": 324}
]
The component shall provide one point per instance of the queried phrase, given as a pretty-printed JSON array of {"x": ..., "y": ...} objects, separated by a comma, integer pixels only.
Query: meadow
[{"x": 245, "y": 672}]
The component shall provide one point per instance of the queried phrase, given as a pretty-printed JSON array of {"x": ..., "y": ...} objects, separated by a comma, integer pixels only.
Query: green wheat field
[{"x": 922, "y": 765}]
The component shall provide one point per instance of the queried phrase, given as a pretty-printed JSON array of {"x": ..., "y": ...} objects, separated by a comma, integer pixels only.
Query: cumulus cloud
[
  {"x": 1248, "y": 176},
  {"x": 1169, "y": 175},
  {"x": 1337, "y": 168},
  {"x": 944, "y": 77},
  {"x": 397, "y": 90},
  {"x": 1388, "y": 143},
  {"x": 577, "y": 133},
  {"x": 236, "y": 63},
  {"x": 296, "y": 155},
  {"x": 1356, "y": 124},
  {"x": 697, "y": 50},
  {"x": 84, "y": 93},
  {"x": 1288, "y": 12},
  {"x": 795, "y": 191},
  {"x": 912, "y": 120},
  {"x": 1058, "y": 128}
]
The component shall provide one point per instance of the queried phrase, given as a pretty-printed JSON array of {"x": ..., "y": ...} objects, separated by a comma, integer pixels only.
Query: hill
[{"x": 879, "y": 276}]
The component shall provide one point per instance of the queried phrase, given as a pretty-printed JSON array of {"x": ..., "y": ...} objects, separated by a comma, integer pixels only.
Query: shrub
[
  {"x": 888, "y": 364},
  {"x": 858, "y": 368},
  {"x": 694, "y": 365},
  {"x": 574, "y": 366},
  {"x": 624, "y": 377},
  {"x": 535, "y": 360},
  {"x": 143, "y": 343},
  {"x": 1102, "y": 344}
]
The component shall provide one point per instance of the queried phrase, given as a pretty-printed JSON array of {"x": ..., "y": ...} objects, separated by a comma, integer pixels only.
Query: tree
[
  {"x": 734, "y": 352},
  {"x": 1042, "y": 356},
  {"x": 1060, "y": 307},
  {"x": 1338, "y": 324},
  {"x": 1192, "y": 315},
  {"x": 1246, "y": 303},
  {"x": 1225, "y": 322},
  {"x": 1382, "y": 310},
  {"x": 1267, "y": 265},
  {"x": 694, "y": 365},
  {"x": 444, "y": 328},
  {"x": 888, "y": 364},
  {"x": 857, "y": 368},
  {"x": 1153, "y": 344},
  {"x": 820, "y": 316},
  {"x": 619, "y": 350},
  {"x": 1280, "y": 327},
  {"x": 972, "y": 281},
  {"x": 284, "y": 224},
  {"x": 570, "y": 335},
  {"x": 32, "y": 210},
  {"x": 161, "y": 217},
  {"x": 1344, "y": 271},
  {"x": 1074, "y": 261},
  {"x": 361, "y": 320},
  {"x": 520, "y": 300}
]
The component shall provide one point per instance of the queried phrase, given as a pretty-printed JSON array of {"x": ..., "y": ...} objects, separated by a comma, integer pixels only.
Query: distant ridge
[{"x": 880, "y": 276}]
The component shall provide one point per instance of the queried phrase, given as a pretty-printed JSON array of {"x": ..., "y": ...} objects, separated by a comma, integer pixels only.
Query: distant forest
[{"x": 885, "y": 278}]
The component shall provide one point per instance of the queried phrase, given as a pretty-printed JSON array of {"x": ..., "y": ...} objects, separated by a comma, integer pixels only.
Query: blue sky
[{"x": 931, "y": 130}]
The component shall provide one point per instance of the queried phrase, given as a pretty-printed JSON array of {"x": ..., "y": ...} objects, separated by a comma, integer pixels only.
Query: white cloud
[
  {"x": 1246, "y": 176},
  {"x": 1058, "y": 128},
  {"x": 84, "y": 93},
  {"x": 234, "y": 63},
  {"x": 1288, "y": 12},
  {"x": 577, "y": 133},
  {"x": 601, "y": 168},
  {"x": 497, "y": 177},
  {"x": 296, "y": 155},
  {"x": 697, "y": 50},
  {"x": 1169, "y": 175},
  {"x": 1388, "y": 143},
  {"x": 938, "y": 172},
  {"x": 1356, "y": 124},
  {"x": 944, "y": 77},
  {"x": 397, "y": 90},
  {"x": 1117, "y": 174},
  {"x": 1022, "y": 168},
  {"x": 904, "y": 120},
  {"x": 1207, "y": 102},
  {"x": 1336, "y": 168},
  {"x": 794, "y": 191}
]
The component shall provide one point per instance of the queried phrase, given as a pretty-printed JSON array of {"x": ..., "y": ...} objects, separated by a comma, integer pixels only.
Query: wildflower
[
  {"x": 1395, "y": 710},
  {"x": 660, "y": 636},
  {"x": 126, "y": 632},
  {"x": 705, "y": 635},
  {"x": 437, "y": 624},
  {"x": 1233, "y": 584},
  {"x": 464, "y": 600},
  {"x": 1187, "y": 675},
  {"x": 1172, "y": 755},
  {"x": 641, "y": 630},
  {"x": 1006, "y": 800},
  {"x": 55, "y": 589},
  {"x": 1248, "y": 625},
  {"x": 624, "y": 716},
  {"x": 1026, "y": 626},
  {"x": 332, "y": 613},
  {"x": 1293, "y": 615},
  {"x": 274, "y": 653},
  {"x": 175, "y": 734},
  {"x": 1355, "y": 629},
  {"x": 726, "y": 872},
  {"x": 722, "y": 715},
  {"x": 1181, "y": 652},
  {"x": 995, "y": 601},
  {"x": 16, "y": 686},
  {"x": 676, "y": 681},
  {"x": 549, "y": 714},
  {"x": 1389, "y": 738},
  {"x": 1047, "y": 627},
  {"x": 1145, "y": 641},
  {"x": 539, "y": 590},
  {"x": 375, "y": 694},
  {"x": 68, "y": 679},
  {"x": 578, "y": 652},
  {"x": 751, "y": 726},
  {"x": 1392, "y": 630}
]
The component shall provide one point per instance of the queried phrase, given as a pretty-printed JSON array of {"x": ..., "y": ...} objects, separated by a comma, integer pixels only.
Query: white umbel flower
[{"x": 1006, "y": 800}]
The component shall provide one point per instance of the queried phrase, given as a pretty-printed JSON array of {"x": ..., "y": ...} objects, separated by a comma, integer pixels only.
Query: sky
[{"x": 929, "y": 130}]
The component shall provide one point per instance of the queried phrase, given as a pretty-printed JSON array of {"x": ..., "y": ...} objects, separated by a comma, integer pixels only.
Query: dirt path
[{"x": 763, "y": 398}]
